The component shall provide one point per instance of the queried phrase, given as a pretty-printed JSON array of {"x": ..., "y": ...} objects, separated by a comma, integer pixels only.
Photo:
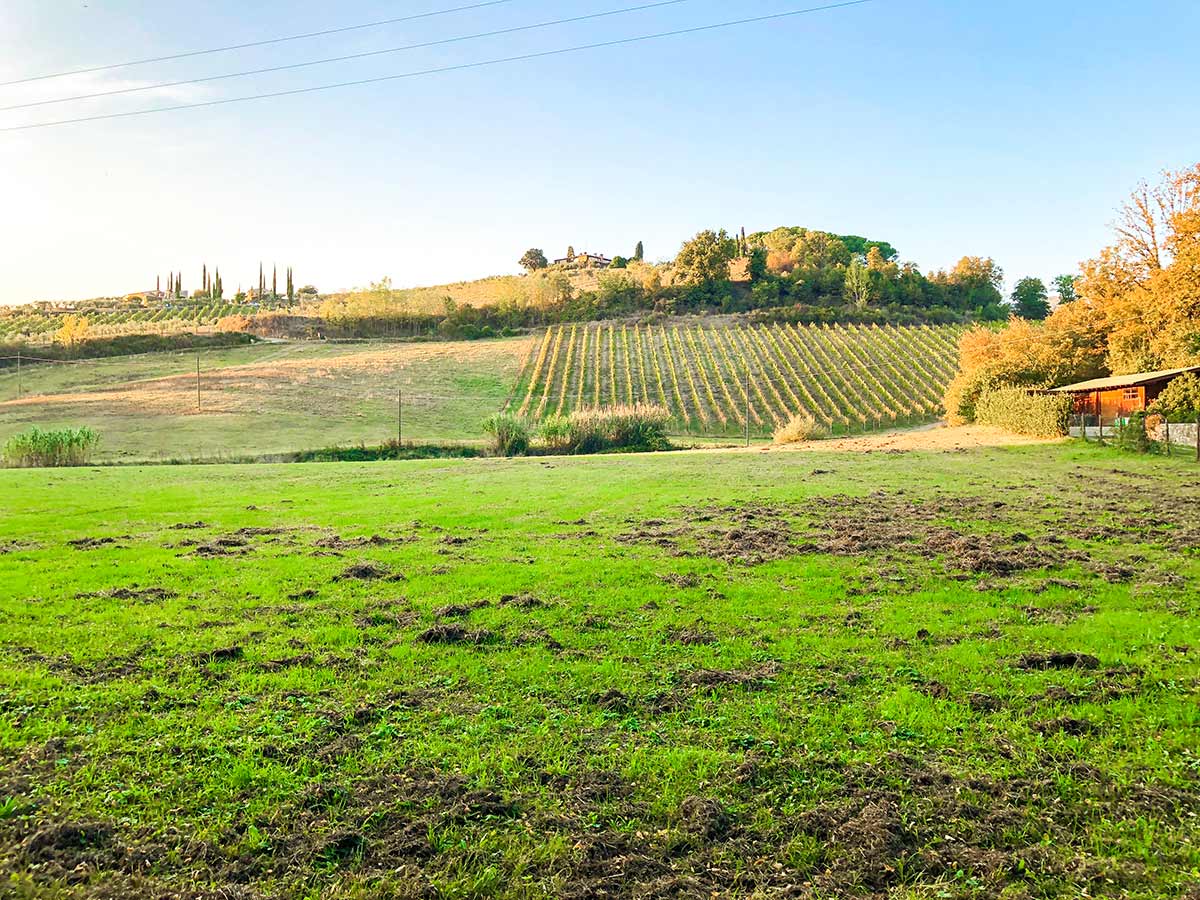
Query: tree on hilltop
[
  {"x": 1030, "y": 300},
  {"x": 1064, "y": 286},
  {"x": 705, "y": 258},
  {"x": 534, "y": 259}
]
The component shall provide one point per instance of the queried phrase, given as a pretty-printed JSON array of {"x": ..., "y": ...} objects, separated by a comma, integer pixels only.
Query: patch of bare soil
[
  {"x": 333, "y": 542},
  {"x": 523, "y": 601},
  {"x": 97, "y": 672},
  {"x": 973, "y": 537},
  {"x": 459, "y": 610},
  {"x": 756, "y": 678},
  {"x": 140, "y": 595},
  {"x": 95, "y": 543},
  {"x": 938, "y": 438},
  {"x": 369, "y": 571},
  {"x": 691, "y": 637},
  {"x": 17, "y": 546},
  {"x": 219, "y": 547},
  {"x": 1057, "y": 660},
  {"x": 454, "y": 633}
]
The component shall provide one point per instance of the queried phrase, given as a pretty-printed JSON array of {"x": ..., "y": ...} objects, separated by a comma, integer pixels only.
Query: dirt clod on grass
[
  {"x": 454, "y": 633},
  {"x": 142, "y": 595},
  {"x": 368, "y": 571},
  {"x": 704, "y": 817},
  {"x": 221, "y": 654},
  {"x": 459, "y": 610},
  {"x": 1057, "y": 660},
  {"x": 691, "y": 637},
  {"x": 91, "y": 543},
  {"x": 522, "y": 601}
]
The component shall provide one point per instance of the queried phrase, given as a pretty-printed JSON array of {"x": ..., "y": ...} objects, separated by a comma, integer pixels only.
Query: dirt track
[{"x": 932, "y": 438}]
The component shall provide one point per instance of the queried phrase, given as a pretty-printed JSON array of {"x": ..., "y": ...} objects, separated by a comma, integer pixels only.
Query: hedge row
[{"x": 1023, "y": 412}]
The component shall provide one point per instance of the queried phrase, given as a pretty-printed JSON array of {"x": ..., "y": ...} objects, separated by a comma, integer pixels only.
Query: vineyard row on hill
[
  {"x": 149, "y": 320},
  {"x": 713, "y": 377}
]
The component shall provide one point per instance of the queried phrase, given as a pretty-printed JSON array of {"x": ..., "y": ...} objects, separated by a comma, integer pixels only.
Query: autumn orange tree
[{"x": 1137, "y": 307}]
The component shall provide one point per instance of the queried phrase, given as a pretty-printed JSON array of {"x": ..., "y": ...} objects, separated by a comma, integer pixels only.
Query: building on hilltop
[
  {"x": 1120, "y": 395},
  {"x": 585, "y": 261}
]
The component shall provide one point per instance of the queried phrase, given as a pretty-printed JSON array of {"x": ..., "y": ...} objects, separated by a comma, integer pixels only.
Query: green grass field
[
  {"x": 267, "y": 398},
  {"x": 750, "y": 675}
]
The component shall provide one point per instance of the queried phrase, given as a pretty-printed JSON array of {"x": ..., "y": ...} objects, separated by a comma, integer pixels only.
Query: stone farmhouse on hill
[{"x": 585, "y": 261}]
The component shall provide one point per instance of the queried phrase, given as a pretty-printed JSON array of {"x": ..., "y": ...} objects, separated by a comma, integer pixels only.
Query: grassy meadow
[
  {"x": 267, "y": 398},
  {"x": 709, "y": 674}
]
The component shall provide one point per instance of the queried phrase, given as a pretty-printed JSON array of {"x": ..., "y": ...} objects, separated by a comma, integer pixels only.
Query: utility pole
[
  {"x": 197, "y": 382},
  {"x": 399, "y": 418},
  {"x": 18, "y": 374}
]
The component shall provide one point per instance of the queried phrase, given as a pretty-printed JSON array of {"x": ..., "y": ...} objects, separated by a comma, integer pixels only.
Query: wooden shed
[{"x": 1120, "y": 395}]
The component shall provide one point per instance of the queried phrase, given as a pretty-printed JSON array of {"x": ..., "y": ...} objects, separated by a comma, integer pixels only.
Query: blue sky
[{"x": 1010, "y": 129}]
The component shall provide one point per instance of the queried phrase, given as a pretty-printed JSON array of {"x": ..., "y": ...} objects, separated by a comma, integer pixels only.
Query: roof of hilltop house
[{"x": 1116, "y": 382}]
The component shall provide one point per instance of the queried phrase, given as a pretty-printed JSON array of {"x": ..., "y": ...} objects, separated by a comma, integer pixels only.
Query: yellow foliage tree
[
  {"x": 73, "y": 330},
  {"x": 1138, "y": 306}
]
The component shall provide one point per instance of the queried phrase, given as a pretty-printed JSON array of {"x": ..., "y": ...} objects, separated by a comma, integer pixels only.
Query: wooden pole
[
  {"x": 399, "y": 418},
  {"x": 18, "y": 374},
  {"x": 197, "y": 382}
]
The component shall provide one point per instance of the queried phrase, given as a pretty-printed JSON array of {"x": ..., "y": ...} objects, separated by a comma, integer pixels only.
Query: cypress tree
[
  {"x": 275, "y": 282},
  {"x": 639, "y": 252}
]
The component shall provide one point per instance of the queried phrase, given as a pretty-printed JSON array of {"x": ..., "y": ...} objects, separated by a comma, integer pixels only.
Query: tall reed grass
[{"x": 38, "y": 448}]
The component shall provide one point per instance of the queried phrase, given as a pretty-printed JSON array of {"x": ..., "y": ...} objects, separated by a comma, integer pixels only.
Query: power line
[
  {"x": 444, "y": 69},
  {"x": 262, "y": 43},
  {"x": 347, "y": 58}
]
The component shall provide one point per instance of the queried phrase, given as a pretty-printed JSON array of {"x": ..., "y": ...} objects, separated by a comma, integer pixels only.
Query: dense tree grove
[
  {"x": 789, "y": 274},
  {"x": 1134, "y": 308}
]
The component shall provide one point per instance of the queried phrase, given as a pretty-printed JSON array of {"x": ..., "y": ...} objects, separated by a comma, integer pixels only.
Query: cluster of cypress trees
[{"x": 213, "y": 288}]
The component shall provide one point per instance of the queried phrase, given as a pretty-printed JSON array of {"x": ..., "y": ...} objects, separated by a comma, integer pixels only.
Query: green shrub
[
  {"x": 1131, "y": 435},
  {"x": 1020, "y": 411},
  {"x": 637, "y": 427},
  {"x": 509, "y": 433},
  {"x": 37, "y": 448},
  {"x": 1180, "y": 400},
  {"x": 555, "y": 433}
]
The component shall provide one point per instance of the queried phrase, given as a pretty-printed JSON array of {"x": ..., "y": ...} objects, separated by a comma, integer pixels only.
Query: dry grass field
[{"x": 268, "y": 398}]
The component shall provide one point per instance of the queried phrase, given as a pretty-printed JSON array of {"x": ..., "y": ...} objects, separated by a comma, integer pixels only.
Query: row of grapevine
[{"x": 714, "y": 378}]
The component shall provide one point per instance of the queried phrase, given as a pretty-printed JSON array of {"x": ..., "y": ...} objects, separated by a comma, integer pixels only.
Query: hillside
[
  {"x": 267, "y": 398},
  {"x": 711, "y": 377}
]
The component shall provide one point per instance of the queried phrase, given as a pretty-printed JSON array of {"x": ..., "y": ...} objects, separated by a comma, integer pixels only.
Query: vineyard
[
  {"x": 40, "y": 325},
  {"x": 713, "y": 377}
]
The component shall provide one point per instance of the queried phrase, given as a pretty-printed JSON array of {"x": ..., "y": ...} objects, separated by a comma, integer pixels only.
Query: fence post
[
  {"x": 1100, "y": 420},
  {"x": 18, "y": 374},
  {"x": 197, "y": 382},
  {"x": 1083, "y": 427},
  {"x": 1197, "y": 437},
  {"x": 1167, "y": 426},
  {"x": 399, "y": 418}
]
